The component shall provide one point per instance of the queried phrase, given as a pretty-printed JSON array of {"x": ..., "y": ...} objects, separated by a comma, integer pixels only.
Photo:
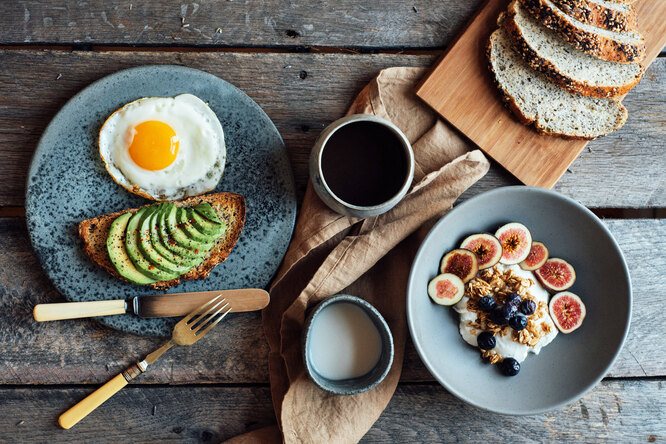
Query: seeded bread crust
[
  {"x": 601, "y": 116},
  {"x": 230, "y": 208},
  {"x": 621, "y": 18},
  {"x": 616, "y": 84},
  {"x": 601, "y": 43}
]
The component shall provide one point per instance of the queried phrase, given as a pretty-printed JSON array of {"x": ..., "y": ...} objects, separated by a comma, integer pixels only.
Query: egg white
[{"x": 199, "y": 163}]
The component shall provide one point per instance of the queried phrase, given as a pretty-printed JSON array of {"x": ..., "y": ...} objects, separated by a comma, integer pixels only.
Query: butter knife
[{"x": 154, "y": 306}]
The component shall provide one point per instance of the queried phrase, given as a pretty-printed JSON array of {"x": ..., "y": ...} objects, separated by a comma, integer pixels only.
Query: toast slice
[
  {"x": 623, "y": 47},
  {"x": 564, "y": 65},
  {"x": 536, "y": 100},
  {"x": 230, "y": 208},
  {"x": 613, "y": 16}
]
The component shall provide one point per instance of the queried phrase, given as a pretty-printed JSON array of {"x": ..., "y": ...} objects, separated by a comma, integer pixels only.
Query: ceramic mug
[
  {"x": 324, "y": 192},
  {"x": 362, "y": 383}
]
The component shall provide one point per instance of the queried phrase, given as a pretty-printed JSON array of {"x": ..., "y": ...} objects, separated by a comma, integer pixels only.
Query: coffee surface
[{"x": 364, "y": 163}]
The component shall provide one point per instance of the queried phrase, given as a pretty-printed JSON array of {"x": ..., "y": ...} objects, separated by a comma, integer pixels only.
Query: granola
[{"x": 499, "y": 282}]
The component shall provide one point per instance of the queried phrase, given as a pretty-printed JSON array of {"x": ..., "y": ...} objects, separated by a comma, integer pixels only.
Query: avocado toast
[{"x": 162, "y": 244}]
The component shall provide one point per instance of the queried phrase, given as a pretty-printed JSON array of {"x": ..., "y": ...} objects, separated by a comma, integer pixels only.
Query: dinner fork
[{"x": 186, "y": 332}]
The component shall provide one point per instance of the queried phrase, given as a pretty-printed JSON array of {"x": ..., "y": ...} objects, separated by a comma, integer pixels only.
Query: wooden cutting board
[{"x": 460, "y": 89}]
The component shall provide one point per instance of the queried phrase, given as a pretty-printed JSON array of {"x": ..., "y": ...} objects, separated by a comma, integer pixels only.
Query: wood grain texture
[
  {"x": 63, "y": 352},
  {"x": 615, "y": 411},
  {"x": 630, "y": 160},
  {"x": 269, "y": 23},
  {"x": 82, "y": 351},
  {"x": 462, "y": 90}
]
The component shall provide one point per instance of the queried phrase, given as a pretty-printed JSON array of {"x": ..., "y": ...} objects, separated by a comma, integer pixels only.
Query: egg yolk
[{"x": 154, "y": 145}]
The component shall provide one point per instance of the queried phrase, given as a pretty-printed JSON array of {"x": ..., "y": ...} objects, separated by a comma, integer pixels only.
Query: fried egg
[{"x": 164, "y": 148}]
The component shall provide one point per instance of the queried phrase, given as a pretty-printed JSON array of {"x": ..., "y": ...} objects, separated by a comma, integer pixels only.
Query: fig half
[
  {"x": 486, "y": 247},
  {"x": 567, "y": 311},
  {"x": 556, "y": 274},
  {"x": 536, "y": 258},
  {"x": 446, "y": 289},
  {"x": 516, "y": 242},
  {"x": 462, "y": 263}
]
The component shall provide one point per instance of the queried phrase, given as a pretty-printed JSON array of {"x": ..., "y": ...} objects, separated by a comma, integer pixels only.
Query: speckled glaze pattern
[
  {"x": 362, "y": 383},
  {"x": 67, "y": 183}
]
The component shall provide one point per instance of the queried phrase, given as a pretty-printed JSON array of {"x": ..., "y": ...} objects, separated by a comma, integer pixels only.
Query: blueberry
[
  {"x": 527, "y": 307},
  {"x": 500, "y": 315},
  {"x": 510, "y": 367},
  {"x": 518, "y": 321},
  {"x": 513, "y": 299},
  {"x": 486, "y": 341},
  {"x": 487, "y": 303}
]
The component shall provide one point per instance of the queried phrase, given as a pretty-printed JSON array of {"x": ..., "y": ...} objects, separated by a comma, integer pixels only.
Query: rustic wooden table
[{"x": 303, "y": 62}]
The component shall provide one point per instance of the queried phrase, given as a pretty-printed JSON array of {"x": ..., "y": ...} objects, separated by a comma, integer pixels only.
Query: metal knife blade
[{"x": 180, "y": 304}]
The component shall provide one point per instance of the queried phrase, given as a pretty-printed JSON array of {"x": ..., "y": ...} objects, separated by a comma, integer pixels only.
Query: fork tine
[
  {"x": 205, "y": 313},
  {"x": 209, "y": 327},
  {"x": 211, "y": 320},
  {"x": 206, "y": 305}
]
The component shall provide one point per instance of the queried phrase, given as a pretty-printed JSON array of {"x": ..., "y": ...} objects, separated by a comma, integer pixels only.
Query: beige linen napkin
[{"x": 330, "y": 254}]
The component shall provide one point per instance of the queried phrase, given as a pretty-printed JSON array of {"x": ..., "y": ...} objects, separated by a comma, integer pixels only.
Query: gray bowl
[
  {"x": 367, "y": 381},
  {"x": 569, "y": 366}
]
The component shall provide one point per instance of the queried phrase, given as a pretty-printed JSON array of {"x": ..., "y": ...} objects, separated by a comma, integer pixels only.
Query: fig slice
[
  {"x": 446, "y": 289},
  {"x": 487, "y": 248},
  {"x": 463, "y": 263},
  {"x": 516, "y": 242},
  {"x": 567, "y": 311},
  {"x": 556, "y": 274},
  {"x": 536, "y": 258}
]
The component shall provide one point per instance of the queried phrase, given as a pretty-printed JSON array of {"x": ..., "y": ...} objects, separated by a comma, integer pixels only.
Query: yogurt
[{"x": 506, "y": 346}]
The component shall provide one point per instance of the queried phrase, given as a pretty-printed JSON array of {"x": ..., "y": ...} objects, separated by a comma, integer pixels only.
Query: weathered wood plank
[
  {"x": 83, "y": 350},
  {"x": 270, "y": 23},
  {"x": 78, "y": 351},
  {"x": 630, "y": 160},
  {"x": 619, "y": 411}
]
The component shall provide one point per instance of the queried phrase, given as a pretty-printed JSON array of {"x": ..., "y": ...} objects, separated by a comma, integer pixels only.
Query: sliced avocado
[
  {"x": 169, "y": 241},
  {"x": 133, "y": 251},
  {"x": 149, "y": 252},
  {"x": 115, "y": 245},
  {"x": 185, "y": 224},
  {"x": 160, "y": 247},
  {"x": 207, "y": 211},
  {"x": 204, "y": 225},
  {"x": 179, "y": 235}
]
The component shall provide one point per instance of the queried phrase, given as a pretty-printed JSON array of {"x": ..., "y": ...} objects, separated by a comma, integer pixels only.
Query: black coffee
[{"x": 364, "y": 163}]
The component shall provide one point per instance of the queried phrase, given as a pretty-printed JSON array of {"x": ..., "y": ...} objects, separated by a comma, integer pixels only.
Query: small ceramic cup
[
  {"x": 323, "y": 190},
  {"x": 362, "y": 383}
]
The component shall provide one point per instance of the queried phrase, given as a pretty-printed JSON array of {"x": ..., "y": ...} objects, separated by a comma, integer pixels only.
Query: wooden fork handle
[
  {"x": 72, "y": 416},
  {"x": 75, "y": 414},
  {"x": 74, "y": 310}
]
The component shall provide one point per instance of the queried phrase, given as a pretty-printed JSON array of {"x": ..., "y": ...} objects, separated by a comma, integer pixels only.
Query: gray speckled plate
[
  {"x": 569, "y": 366},
  {"x": 67, "y": 183}
]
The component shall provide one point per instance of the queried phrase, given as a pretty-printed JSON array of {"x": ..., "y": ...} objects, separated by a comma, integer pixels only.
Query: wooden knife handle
[
  {"x": 72, "y": 416},
  {"x": 73, "y": 310}
]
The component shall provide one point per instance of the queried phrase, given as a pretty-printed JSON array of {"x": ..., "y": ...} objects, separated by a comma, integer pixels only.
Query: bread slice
[
  {"x": 602, "y": 13},
  {"x": 536, "y": 100},
  {"x": 564, "y": 65},
  {"x": 623, "y": 47},
  {"x": 230, "y": 208}
]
